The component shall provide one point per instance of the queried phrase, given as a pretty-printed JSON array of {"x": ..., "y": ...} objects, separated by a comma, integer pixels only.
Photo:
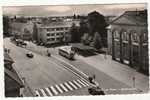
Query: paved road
[
  {"x": 93, "y": 65},
  {"x": 42, "y": 74}
]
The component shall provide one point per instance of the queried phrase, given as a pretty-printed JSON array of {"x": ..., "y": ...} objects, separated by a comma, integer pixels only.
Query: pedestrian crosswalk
[{"x": 61, "y": 88}]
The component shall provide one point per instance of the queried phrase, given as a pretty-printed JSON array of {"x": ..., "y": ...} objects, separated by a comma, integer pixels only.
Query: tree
[
  {"x": 35, "y": 32},
  {"x": 85, "y": 39},
  {"x": 97, "y": 41},
  {"x": 83, "y": 27},
  {"x": 74, "y": 33},
  {"x": 6, "y": 26},
  {"x": 97, "y": 23}
]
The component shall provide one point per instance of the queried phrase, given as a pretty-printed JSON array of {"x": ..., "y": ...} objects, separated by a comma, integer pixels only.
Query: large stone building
[
  {"x": 54, "y": 32},
  {"x": 128, "y": 39}
]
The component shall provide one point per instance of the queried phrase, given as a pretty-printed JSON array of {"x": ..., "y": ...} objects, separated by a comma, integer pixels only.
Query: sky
[{"x": 62, "y": 10}]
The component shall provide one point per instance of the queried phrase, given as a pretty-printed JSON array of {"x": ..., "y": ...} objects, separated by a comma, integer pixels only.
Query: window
[
  {"x": 135, "y": 37},
  {"x": 48, "y": 34},
  {"x": 125, "y": 36},
  {"x": 116, "y": 34},
  {"x": 145, "y": 37},
  {"x": 52, "y": 34},
  {"x": 57, "y": 33},
  {"x": 50, "y": 29},
  {"x": 49, "y": 39},
  {"x": 52, "y": 39}
]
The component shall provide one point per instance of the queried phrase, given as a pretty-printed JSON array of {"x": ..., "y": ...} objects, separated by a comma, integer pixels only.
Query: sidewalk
[{"x": 118, "y": 71}]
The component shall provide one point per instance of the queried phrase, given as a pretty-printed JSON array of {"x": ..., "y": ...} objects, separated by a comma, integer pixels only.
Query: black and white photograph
[{"x": 75, "y": 50}]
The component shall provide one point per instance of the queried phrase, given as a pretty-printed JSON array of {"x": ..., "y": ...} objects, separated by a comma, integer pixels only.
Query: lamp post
[{"x": 133, "y": 81}]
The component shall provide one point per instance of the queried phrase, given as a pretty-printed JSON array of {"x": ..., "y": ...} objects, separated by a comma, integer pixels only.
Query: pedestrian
[{"x": 105, "y": 54}]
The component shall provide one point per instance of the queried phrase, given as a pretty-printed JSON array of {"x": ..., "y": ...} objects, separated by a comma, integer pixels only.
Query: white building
[{"x": 54, "y": 32}]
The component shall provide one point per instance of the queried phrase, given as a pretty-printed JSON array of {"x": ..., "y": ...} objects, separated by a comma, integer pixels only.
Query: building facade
[
  {"x": 55, "y": 32},
  {"x": 22, "y": 30},
  {"x": 128, "y": 42}
]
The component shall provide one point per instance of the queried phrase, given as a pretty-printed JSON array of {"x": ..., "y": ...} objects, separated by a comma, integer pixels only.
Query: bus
[{"x": 67, "y": 52}]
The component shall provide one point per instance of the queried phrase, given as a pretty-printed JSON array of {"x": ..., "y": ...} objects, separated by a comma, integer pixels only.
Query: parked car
[
  {"x": 96, "y": 91},
  {"x": 30, "y": 55}
]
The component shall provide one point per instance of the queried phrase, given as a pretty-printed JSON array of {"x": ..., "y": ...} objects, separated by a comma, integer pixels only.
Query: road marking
[
  {"x": 63, "y": 87},
  {"x": 71, "y": 66},
  {"x": 81, "y": 83},
  {"x": 43, "y": 92},
  {"x": 49, "y": 92},
  {"x": 73, "y": 85},
  {"x": 59, "y": 88},
  {"x": 68, "y": 86},
  {"x": 77, "y": 84},
  {"x": 37, "y": 93},
  {"x": 53, "y": 89},
  {"x": 85, "y": 82}
]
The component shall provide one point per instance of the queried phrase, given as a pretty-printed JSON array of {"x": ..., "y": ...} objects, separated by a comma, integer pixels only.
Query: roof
[
  {"x": 59, "y": 24},
  {"x": 66, "y": 48},
  {"x": 12, "y": 79},
  {"x": 7, "y": 57},
  {"x": 132, "y": 18}
]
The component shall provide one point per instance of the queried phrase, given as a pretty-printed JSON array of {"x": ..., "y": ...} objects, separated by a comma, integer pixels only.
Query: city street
[
  {"x": 40, "y": 72},
  {"x": 109, "y": 80}
]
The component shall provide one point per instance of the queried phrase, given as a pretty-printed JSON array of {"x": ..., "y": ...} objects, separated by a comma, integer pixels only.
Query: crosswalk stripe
[
  {"x": 72, "y": 85},
  {"x": 85, "y": 82},
  {"x": 54, "y": 90},
  {"x": 81, "y": 83},
  {"x": 37, "y": 93},
  {"x": 77, "y": 84},
  {"x": 68, "y": 86},
  {"x": 59, "y": 88},
  {"x": 43, "y": 92},
  {"x": 46, "y": 92},
  {"x": 49, "y": 92},
  {"x": 63, "y": 87}
]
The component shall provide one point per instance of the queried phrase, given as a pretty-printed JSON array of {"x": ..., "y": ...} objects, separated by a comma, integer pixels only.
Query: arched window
[
  {"x": 125, "y": 36},
  {"x": 116, "y": 34},
  {"x": 145, "y": 37},
  {"x": 135, "y": 37}
]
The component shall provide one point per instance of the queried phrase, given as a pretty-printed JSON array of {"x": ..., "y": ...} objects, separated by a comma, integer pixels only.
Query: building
[
  {"x": 22, "y": 30},
  {"x": 13, "y": 83},
  {"x": 128, "y": 39},
  {"x": 55, "y": 32}
]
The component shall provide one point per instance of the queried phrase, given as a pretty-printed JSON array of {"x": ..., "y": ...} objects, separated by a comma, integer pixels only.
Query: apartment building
[{"x": 55, "y": 32}]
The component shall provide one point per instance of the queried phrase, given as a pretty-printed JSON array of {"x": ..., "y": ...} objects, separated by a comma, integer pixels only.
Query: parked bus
[{"x": 66, "y": 52}]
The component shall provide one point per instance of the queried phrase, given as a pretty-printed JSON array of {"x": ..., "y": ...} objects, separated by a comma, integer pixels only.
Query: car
[
  {"x": 30, "y": 55},
  {"x": 96, "y": 91}
]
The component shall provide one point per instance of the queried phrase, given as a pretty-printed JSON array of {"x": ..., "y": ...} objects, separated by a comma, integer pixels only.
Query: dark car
[
  {"x": 96, "y": 91},
  {"x": 30, "y": 55}
]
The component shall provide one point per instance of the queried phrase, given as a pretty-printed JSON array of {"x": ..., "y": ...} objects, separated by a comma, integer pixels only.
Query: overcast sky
[{"x": 115, "y": 9}]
